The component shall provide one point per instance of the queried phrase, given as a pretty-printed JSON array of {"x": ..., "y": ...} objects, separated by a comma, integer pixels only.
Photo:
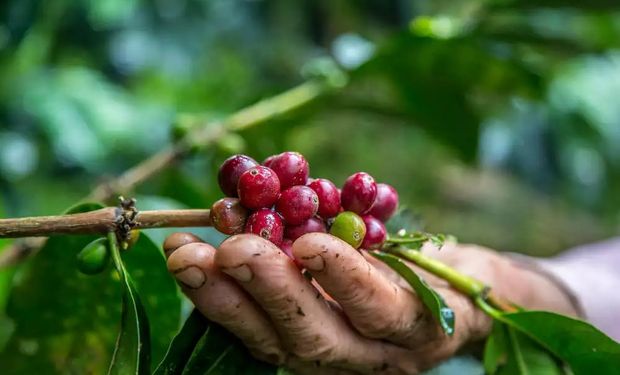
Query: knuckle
[
  {"x": 385, "y": 327},
  {"x": 318, "y": 349},
  {"x": 387, "y": 321}
]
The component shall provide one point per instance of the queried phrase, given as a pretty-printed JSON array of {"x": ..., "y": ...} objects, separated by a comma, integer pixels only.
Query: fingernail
[
  {"x": 192, "y": 277},
  {"x": 314, "y": 262},
  {"x": 242, "y": 273}
]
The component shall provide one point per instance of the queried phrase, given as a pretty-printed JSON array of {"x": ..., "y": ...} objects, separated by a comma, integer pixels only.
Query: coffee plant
[
  {"x": 96, "y": 251},
  {"x": 279, "y": 202}
]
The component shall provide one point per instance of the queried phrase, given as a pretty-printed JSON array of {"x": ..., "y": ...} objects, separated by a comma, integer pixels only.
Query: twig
[
  {"x": 100, "y": 221},
  {"x": 473, "y": 288},
  {"x": 135, "y": 175},
  {"x": 198, "y": 138}
]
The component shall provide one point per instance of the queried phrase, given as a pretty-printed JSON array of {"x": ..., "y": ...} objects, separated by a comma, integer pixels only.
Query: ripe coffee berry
[
  {"x": 291, "y": 167},
  {"x": 329, "y": 197},
  {"x": 349, "y": 227},
  {"x": 314, "y": 224},
  {"x": 358, "y": 193},
  {"x": 385, "y": 204},
  {"x": 375, "y": 233},
  {"x": 258, "y": 187},
  {"x": 267, "y": 224},
  {"x": 228, "y": 216},
  {"x": 267, "y": 162},
  {"x": 231, "y": 170},
  {"x": 297, "y": 204}
]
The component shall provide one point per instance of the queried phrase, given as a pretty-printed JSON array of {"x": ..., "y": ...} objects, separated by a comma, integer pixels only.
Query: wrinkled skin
[{"x": 357, "y": 316}]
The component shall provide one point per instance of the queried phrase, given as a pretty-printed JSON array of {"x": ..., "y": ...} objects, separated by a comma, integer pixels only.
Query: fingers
[
  {"x": 308, "y": 327},
  {"x": 220, "y": 299},
  {"x": 178, "y": 239},
  {"x": 377, "y": 307}
]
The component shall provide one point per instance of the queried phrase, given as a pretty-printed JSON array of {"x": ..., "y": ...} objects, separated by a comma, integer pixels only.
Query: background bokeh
[{"x": 497, "y": 121}]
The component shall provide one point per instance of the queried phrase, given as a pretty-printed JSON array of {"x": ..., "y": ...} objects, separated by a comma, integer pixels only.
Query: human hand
[{"x": 357, "y": 316}]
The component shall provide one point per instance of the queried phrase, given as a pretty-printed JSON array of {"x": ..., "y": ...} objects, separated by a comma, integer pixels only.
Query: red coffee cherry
[
  {"x": 329, "y": 197},
  {"x": 228, "y": 216},
  {"x": 358, "y": 193},
  {"x": 312, "y": 225},
  {"x": 258, "y": 187},
  {"x": 267, "y": 224},
  {"x": 291, "y": 167},
  {"x": 385, "y": 204},
  {"x": 297, "y": 204},
  {"x": 267, "y": 162},
  {"x": 375, "y": 233},
  {"x": 231, "y": 170}
]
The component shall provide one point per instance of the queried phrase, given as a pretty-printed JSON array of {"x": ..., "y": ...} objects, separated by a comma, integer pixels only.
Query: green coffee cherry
[
  {"x": 349, "y": 227},
  {"x": 94, "y": 257}
]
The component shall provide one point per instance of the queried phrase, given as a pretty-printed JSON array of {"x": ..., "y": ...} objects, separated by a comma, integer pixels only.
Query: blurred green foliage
[{"x": 497, "y": 121}]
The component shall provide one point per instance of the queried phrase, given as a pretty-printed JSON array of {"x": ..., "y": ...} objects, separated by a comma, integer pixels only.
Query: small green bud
[{"x": 94, "y": 257}]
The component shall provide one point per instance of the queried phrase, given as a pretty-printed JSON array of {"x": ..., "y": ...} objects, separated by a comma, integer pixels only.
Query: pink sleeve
[{"x": 592, "y": 273}]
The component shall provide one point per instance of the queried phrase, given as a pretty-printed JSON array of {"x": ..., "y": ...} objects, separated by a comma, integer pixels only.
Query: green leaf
[
  {"x": 203, "y": 347},
  {"x": 431, "y": 299},
  {"x": 160, "y": 294},
  {"x": 67, "y": 322},
  {"x": 220, "y": 353},
  {"x": 579, "y": 344},
  {"x": 509, "y": 352},
  {"x": 534, "y": 358},
  {"x": 182, "y": 345},
  {"x": 132, "y": 353},
  {"x": 495, "y": 349}
]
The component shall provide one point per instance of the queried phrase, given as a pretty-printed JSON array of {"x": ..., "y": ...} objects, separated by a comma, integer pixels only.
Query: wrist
[
  {"x": 547, "y": 291},
  {"x": 514, "y": 277}
]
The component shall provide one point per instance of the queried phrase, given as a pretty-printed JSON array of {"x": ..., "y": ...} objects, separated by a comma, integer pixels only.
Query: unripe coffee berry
[
  {"x": 94, "y": 257},
  {"x": 297, "y": 204},
  {"x": 228, "y": 216},
  {"x": 267, "y": 224},
  {"x": 259, "y": 187},
  {"x": 312, "y": 225},
  {"x": 375, "y": 233},
  {"x": 358, "y": 193},
  {"x": 385, "y": 204},
  {"x": 291, "y": 167},
  {"x": 329, "y": 197},
  {"x": 231, "y": 170},
  {"x": 349, "y": 227}
]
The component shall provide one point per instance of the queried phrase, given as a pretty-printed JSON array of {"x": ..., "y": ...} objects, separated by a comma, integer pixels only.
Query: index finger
[{"x": 379, "y": 307}]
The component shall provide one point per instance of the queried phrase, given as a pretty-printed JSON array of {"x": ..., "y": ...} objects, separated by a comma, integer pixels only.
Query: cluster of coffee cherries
[{"x": 280, "y": 202}]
